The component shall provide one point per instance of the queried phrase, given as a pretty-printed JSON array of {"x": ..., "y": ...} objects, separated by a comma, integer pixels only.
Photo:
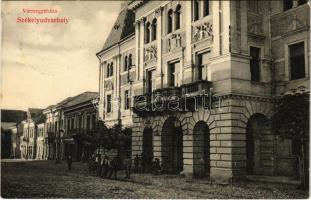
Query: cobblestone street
[{"x": 45, "y": 179}]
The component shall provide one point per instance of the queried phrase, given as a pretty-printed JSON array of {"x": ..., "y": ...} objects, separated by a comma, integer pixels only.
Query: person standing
[
  {"x": 128, "y": 165},
  {"x": 136, "y": 163},
  {"x": 114, "y": 168},
  {"x": 69, "y": 162}
]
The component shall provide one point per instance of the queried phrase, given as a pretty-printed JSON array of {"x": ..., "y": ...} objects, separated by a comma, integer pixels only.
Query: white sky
[{"x": 43, "y": 64}]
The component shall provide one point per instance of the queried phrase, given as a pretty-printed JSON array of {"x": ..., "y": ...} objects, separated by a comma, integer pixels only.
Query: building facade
[
  {"x": 240, "y": 55},
  {"x": 40, "y": 153},
  {"x": 80, "y": 118}
]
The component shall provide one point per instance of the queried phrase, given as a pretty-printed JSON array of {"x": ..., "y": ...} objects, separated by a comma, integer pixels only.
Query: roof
[
  {"x": 15, "y": 116},
  {"x": 123, "y": 27},
  {"x": 81, "y": 98}
]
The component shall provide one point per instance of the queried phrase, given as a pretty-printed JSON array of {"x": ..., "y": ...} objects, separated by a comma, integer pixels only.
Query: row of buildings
[
  {"x": 241, "y": 55},
  {"x": 50, "y": 133}
]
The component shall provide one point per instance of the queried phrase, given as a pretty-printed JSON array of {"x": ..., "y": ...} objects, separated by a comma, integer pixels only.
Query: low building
[
  {"x": 29, "y": 137},
  {"x": 11, "y": 132}
]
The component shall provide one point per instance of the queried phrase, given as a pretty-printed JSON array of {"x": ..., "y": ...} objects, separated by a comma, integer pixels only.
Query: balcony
[
  {"x": 169, "y": 99},
  {"x": 197, "y": 88}
]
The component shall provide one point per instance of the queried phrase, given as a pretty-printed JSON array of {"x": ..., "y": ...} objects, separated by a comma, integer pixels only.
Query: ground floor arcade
[{"x": 227, "y": 142}]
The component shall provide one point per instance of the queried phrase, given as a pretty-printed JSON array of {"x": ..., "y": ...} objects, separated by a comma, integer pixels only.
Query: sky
[{"x": 42, "y": 64}]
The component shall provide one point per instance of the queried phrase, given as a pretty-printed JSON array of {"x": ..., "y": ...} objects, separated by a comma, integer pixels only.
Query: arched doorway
[
  {"x": 147, "y": 149},
  {"x": 172, "y": 146},
  {"x": 259, "y": 145},
  {"x": 201, "y": 150}
]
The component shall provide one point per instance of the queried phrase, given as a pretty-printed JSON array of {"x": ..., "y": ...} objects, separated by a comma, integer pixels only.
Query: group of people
[
  {"x": 104, "y": 166},
  {"x": 108, "y": 166}
]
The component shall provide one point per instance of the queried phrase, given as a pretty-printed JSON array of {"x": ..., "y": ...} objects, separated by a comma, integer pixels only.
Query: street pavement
[{"x": 46, "y": 179}]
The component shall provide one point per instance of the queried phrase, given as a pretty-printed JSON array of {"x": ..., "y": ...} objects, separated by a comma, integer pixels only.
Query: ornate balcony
[
  {"x": 201, "y": 87},
  {"x": 169, "y": 99}
]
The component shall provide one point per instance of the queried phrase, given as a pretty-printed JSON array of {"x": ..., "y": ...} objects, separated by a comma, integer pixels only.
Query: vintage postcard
[{"x": 155, "y": 99}]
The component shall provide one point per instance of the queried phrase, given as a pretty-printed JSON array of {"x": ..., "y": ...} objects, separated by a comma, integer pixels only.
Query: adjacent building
[
  {"x": 80, "y": 118},
  {"x": 11, "y": 132},
  {"x": 196, "y": 82},
  {"x": 28, "y": 143}
]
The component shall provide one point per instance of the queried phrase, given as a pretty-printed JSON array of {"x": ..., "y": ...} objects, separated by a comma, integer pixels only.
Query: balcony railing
[
  {"x": 196, "y": 88},
  {"x": 147, "y": 103}
]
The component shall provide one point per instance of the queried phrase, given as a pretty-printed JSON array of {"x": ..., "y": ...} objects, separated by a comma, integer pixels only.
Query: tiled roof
[
  {"x": 122, "y": 28},
  {"x": 13, "y": 115},
  {"x": 81, "y": 98}
]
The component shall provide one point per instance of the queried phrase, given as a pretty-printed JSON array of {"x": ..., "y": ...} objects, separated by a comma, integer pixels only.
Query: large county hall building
[{"x": 240, "y": 55}]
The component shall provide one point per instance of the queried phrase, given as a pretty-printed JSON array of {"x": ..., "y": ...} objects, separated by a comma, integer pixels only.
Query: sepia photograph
[{"x": 146, "y": 99}]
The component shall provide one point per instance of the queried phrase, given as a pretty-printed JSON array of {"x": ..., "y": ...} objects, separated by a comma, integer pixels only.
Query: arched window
[
  {"x": 130, "y": 61},
  {"x": 154, "y": 30},
  {"x": 205, "y": 8},
  {"x": 170, "y": 21},
  {"x": 147, "y": 33},
  {"x": 178, "y": 17},
  {"x": 108, "y": 70},
  {"x": 111, "y": 69},
  {"x": 196, "y": 10},
  {"x": 125, "y": 63}
]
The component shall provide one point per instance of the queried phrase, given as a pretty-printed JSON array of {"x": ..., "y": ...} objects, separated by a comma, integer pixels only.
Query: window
[
  {"x": 108, "y": 103},
  {"x": 205, "y": 8},
  {"x": 287, "y": 4},
  {"x": 68, "y": 124},
  {"x": 88, "y": 122},
  {"x": 80, "y": 122},
  {"x": 111, "y": 69},
  {"x": 108, "y": 70},
  {"x": 154, "y": 30},
  {"x": 56, "y": 126},
  {"x": 255, "y": 63},
  {"x": 149, "y": 81},
  {"x": 297, "y": 61},
  {"x": 178, "y": 17},
  {"x": 300, "y": 2},
  {"x": 93, "y": 121},
  {"x": 130, "y": 62},
  {"x": 170, "y": 21},
  {"x": 125, "y": 64},
  {"x": 199, "y": 65},
  {"x": 172, "y": 74},
  {"x": 72, "y": 123},
  {"x": 195, "y": 10},
  {"x": 147, "y": 33},
  {"x": 126, "y": 100}
]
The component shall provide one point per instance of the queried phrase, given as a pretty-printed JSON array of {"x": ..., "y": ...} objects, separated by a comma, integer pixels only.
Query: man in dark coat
[{"x": 114, "y": 167}]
